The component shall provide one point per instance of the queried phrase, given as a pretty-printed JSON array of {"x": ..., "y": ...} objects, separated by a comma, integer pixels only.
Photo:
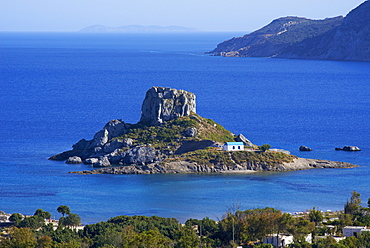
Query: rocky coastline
[
  {"x": 192, "y": 167},
  {"x": 171, "y": 138}
]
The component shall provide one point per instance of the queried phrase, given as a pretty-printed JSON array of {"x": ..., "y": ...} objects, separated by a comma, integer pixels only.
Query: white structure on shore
[{"x": 233, "y": 146}]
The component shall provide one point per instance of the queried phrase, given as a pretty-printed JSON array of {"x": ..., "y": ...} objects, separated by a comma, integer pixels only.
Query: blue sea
[{"x": 57, "y": 88}]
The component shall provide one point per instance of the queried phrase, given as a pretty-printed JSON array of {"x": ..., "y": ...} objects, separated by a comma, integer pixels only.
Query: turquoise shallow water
[{"x": 57, "y": 88}]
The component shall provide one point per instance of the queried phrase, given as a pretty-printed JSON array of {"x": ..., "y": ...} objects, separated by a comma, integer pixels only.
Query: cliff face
[
  {"x": 165, "y": 104},
  {"x": 292, "y": 37}
]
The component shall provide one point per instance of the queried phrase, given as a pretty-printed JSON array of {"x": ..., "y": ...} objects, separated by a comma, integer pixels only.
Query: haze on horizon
[{"x": 205, "y": 15}]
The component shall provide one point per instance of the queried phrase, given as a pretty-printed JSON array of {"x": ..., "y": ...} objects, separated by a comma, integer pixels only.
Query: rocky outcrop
[
  {"x": 349, "y": 149},
  {"x": 301, "y": 38},
  {"x": 191, "y": 132},
  {"x": 165, "y": 104},
  {"x": 139, "y": 155},
  {"x": 98, "y": 162},
  {"x": 242, "y": 138},
  {"x": 74, "y": 160},
  {"x": 305, "y": 149},
  {"x": 191, "y": 167},
  {"x": 160, "y": 105},
  {"x": 101, "y": 144}
]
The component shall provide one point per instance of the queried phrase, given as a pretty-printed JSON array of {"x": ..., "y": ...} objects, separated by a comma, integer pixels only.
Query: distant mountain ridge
[
  {"x": 136, "y": 29},
  {"x": 335, "y": 38}
]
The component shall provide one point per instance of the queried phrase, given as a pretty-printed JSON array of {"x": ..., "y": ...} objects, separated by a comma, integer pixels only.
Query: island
[
  {"x": 338, "y": 38},
  {"x": 172, "y": 138}
]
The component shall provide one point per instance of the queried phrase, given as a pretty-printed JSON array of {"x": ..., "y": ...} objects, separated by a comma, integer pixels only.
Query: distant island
[
  {"x": 171, "y": 138},
  {"x": 136, "y": 29},
  {"x": 339, "y": 38}
]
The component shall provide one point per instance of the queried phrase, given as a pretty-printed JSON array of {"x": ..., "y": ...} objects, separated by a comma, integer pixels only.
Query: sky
[{"x": 205, "y": 15}]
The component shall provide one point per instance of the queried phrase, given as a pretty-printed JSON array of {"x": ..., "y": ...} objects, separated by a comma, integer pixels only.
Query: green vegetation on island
[
  {"x": 249, "y": 228},
  {"x": 173, "y": 133}
]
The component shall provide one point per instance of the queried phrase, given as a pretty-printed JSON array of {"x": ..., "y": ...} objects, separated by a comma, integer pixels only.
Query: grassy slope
[{"x": 168, "y": 137}]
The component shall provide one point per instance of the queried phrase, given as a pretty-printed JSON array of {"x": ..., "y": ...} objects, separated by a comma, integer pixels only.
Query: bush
[{"x": 264, "y": 147}]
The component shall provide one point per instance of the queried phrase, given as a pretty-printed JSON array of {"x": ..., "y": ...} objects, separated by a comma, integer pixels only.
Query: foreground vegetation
[{"x": 246, "y": 228}]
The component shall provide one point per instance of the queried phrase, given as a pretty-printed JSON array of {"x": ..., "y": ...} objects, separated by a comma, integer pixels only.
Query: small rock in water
[
  {"x": 351, "y": 148},
  {"x": 305, "y": 149}
]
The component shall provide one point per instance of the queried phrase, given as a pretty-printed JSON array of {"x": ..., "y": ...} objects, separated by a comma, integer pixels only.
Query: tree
[
  {"x": 32, "y": 222},
  {"x": 284, "y": 222},
  {"x": 208, "y": 227},
  {"x": 354, "y": 204},
  {"x": 301, "y": 228},
  {"x": 328, "y": 242},
  {"x": 16, "y": 218},
  {"x": 315, "y": 216},
  {"x": 149, "y": 239},
  {"x": 70, "y": 220},
  {"x": 350, "y": 242},
  {"x": 63, "y": 209},
  {"x": 264, "y": 147},
  {"x": 19, "y": 238},
  {"x": 43, "y": 214},
  {"x": 364, "y": 239},
  {"x": 368, "y": 203},
  {"x": 45, "y": 242},
  {"x": 345, "y": 220},
  {"x": 186, "y": 237}
]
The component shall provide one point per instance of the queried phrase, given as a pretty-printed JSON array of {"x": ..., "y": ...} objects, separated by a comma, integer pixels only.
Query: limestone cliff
[{"x": 165, "y": 104}]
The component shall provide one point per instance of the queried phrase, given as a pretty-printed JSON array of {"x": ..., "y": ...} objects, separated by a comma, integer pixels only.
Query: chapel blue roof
[{"x": 234, "y": 143}]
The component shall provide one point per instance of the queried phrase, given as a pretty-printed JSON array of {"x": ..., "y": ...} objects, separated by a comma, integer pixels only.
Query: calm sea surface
[{"x": 57, "y": 88}]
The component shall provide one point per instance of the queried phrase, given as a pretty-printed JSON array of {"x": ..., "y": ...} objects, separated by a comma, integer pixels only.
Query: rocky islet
[{"x": 147, "y": 147}]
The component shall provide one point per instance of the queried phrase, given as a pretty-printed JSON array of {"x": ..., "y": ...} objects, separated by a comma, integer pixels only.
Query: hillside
[
  {"x": 276, "y": 36},
  {"x": 348, "y": 41},
  {"x": 335, "y": 38}
]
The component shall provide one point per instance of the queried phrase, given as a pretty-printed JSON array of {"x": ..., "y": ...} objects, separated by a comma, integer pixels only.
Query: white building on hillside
[
  {"x": 282, "y": 240},
  {"x": 233, "y": 146},
  {"x": 349, "y": 231}
]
